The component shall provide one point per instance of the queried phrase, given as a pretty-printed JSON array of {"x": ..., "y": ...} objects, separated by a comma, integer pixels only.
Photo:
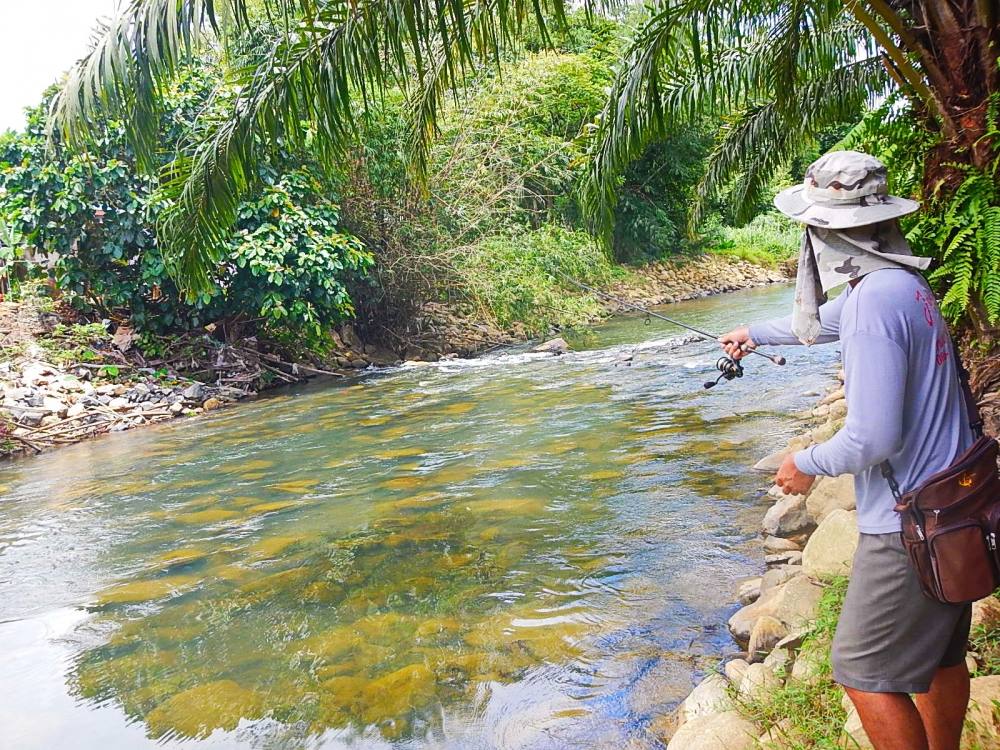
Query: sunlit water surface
[{"x": 511, "y": 552}]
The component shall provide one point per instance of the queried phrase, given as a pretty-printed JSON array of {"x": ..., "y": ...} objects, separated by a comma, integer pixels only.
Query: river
[{"x": 518, "y": 551}]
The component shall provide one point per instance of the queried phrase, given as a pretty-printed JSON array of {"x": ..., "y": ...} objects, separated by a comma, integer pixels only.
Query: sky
[{"x": 41, "y": 39}]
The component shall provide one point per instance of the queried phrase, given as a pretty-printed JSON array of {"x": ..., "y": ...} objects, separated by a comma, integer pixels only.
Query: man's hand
[
  {"x": 737, "y": 342},
  {"x": 791, "y": 480}
]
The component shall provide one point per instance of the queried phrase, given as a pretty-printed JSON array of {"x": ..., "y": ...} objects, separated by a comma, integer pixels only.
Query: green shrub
[
  {"x": 521, "y": 278},
  {"x": 289, "y": 264},
  {"x": 808, "y": 713},
  {"x": 768, "y": 240}
]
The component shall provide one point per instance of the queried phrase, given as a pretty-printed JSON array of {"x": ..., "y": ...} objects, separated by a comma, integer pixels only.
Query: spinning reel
[{"x": 728, "y": 368}]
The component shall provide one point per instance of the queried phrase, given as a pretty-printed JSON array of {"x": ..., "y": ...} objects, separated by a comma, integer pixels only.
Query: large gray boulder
[
  {"x": 830, "y": 550},
  {"x": 828, "y": 494},
  {"x": 725, "y": 731},
  {"x": 787, "y": 517}
]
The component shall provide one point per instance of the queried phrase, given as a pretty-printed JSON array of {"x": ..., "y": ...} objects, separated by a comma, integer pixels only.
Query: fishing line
[{"x": 729, "y": 368}]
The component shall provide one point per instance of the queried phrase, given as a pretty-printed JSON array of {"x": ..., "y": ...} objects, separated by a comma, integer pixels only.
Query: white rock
[
  {"x": 758, "y": 681},
  {"x": 770, "y": 464},
  {"x": 778, "y": 575},
  {"x": 794, "y": 603},
  {"x": 76, "y": 410},
  {"x": 830, "y": 550},
  {"x": 832, "y": 396},
  {"x": 120, "y": 404},
  {"x": 54, "y": 406},
  {"x": 736, "y": 669},
  {"x": 725, "y": 731}
]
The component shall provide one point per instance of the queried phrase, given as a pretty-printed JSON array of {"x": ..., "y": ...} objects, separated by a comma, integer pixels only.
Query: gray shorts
[{"x": 890, "y": 637}]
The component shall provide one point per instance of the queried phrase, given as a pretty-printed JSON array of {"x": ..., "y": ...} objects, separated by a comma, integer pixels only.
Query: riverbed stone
[
  {"x": 723, "y": 731},
  {"x": 835, "y": 395},
  {"x": 552, "y": 346},
  {"x": 774, "y": 544},
  {"x": 808, "y": 665},
  {"x": 983, "y": 719},
  {"x": 825, "y": 431},
  {"x": 794, "y": 603},
  {"x": 854, "y": 735},
  {"x": 758, "y": 681},
  {"x": 770, "y": 464},
  {"x": 830, "y": 550},
  {"x": 787, "y": 516},
  {"x": 735, "y": 670},
  {"x": 710, "y": 696},
  {"x": 766, "y": 633},
  {"x": 828, "y": 494},
  {"x": 749, "y": 591},
  {"x": 986, "y": 613},
  {"x": 779, "y": 661},
  {"x": 793, "y": 557},
  {"x": 777, "y": 576}
]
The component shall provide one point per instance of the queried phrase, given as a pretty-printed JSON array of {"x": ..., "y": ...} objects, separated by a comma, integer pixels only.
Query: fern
[{"x": 963, "y": 232}]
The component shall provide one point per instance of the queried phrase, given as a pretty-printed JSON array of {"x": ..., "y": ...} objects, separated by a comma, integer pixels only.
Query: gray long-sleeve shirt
[{"x": 904, "y": 402}]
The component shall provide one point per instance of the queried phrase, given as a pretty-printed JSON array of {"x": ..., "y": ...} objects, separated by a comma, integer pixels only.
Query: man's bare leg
[
  {"x": 942, "y": 709},
  {"x": 891, "y": 720}
]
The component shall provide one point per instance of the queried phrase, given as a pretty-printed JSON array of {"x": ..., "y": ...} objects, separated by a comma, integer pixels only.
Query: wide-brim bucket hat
[{"x": 843, "y": 189}]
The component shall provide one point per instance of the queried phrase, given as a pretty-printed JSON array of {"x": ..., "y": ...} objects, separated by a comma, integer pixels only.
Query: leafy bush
[
  {"x": 770, "y": 239},
  {"x": 289, "y": 264},
  {"x": 958, "y": 225},
  {"x": 522, "y": 278}
]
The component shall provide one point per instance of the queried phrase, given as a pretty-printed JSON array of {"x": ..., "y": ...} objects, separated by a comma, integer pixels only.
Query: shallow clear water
[{"x": 511, "y": 552}]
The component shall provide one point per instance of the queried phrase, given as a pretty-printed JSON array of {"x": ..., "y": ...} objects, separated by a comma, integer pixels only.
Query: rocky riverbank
[
  {"x": 62, "y": 381},
  {"x": 809, "y": 542}
]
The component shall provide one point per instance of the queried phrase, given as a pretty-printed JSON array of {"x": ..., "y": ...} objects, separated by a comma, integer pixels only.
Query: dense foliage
[{"x": 287, "y": 263}]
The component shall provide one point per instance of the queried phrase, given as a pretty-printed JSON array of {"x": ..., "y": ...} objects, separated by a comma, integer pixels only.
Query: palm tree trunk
[{"x": 959, "y": 40}]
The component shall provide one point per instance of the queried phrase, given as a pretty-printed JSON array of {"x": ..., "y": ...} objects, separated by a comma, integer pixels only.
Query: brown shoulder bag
[{"x": 951, "y": 521}]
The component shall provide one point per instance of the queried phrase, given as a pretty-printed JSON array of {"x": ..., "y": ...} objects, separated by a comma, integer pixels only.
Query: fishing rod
[{"x": 727, "y": 366}]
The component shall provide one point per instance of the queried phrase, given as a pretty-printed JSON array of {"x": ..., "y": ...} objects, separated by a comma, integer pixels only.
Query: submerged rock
[
  {"x": 552, "y": 346},
  {"x": 198, "y": 711}
]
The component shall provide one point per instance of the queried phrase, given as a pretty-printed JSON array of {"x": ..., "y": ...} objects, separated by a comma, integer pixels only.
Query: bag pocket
[{"x": 963, "y": 563}]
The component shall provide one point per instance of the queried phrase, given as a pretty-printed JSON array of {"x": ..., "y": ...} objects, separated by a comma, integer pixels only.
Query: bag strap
[
  {"x": 971, "y": 411},
  {"x": 971, "y": 407}
]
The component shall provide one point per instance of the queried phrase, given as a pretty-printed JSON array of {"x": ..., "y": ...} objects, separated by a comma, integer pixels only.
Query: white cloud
[{"x": 41, "y": 39}]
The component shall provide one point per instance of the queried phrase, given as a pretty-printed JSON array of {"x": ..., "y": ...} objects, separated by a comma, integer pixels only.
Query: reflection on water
[{"x": 513, "y": 552}]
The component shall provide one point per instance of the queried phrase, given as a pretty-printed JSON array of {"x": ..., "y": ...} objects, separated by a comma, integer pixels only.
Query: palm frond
[{"x": 322, "y": 71}]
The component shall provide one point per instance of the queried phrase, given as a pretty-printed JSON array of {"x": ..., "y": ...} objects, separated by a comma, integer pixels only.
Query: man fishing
[{"x": 905, "y": 405}]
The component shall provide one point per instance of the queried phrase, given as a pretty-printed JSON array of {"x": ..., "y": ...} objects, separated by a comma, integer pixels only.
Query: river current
[{"x": 515, "y": 552}]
